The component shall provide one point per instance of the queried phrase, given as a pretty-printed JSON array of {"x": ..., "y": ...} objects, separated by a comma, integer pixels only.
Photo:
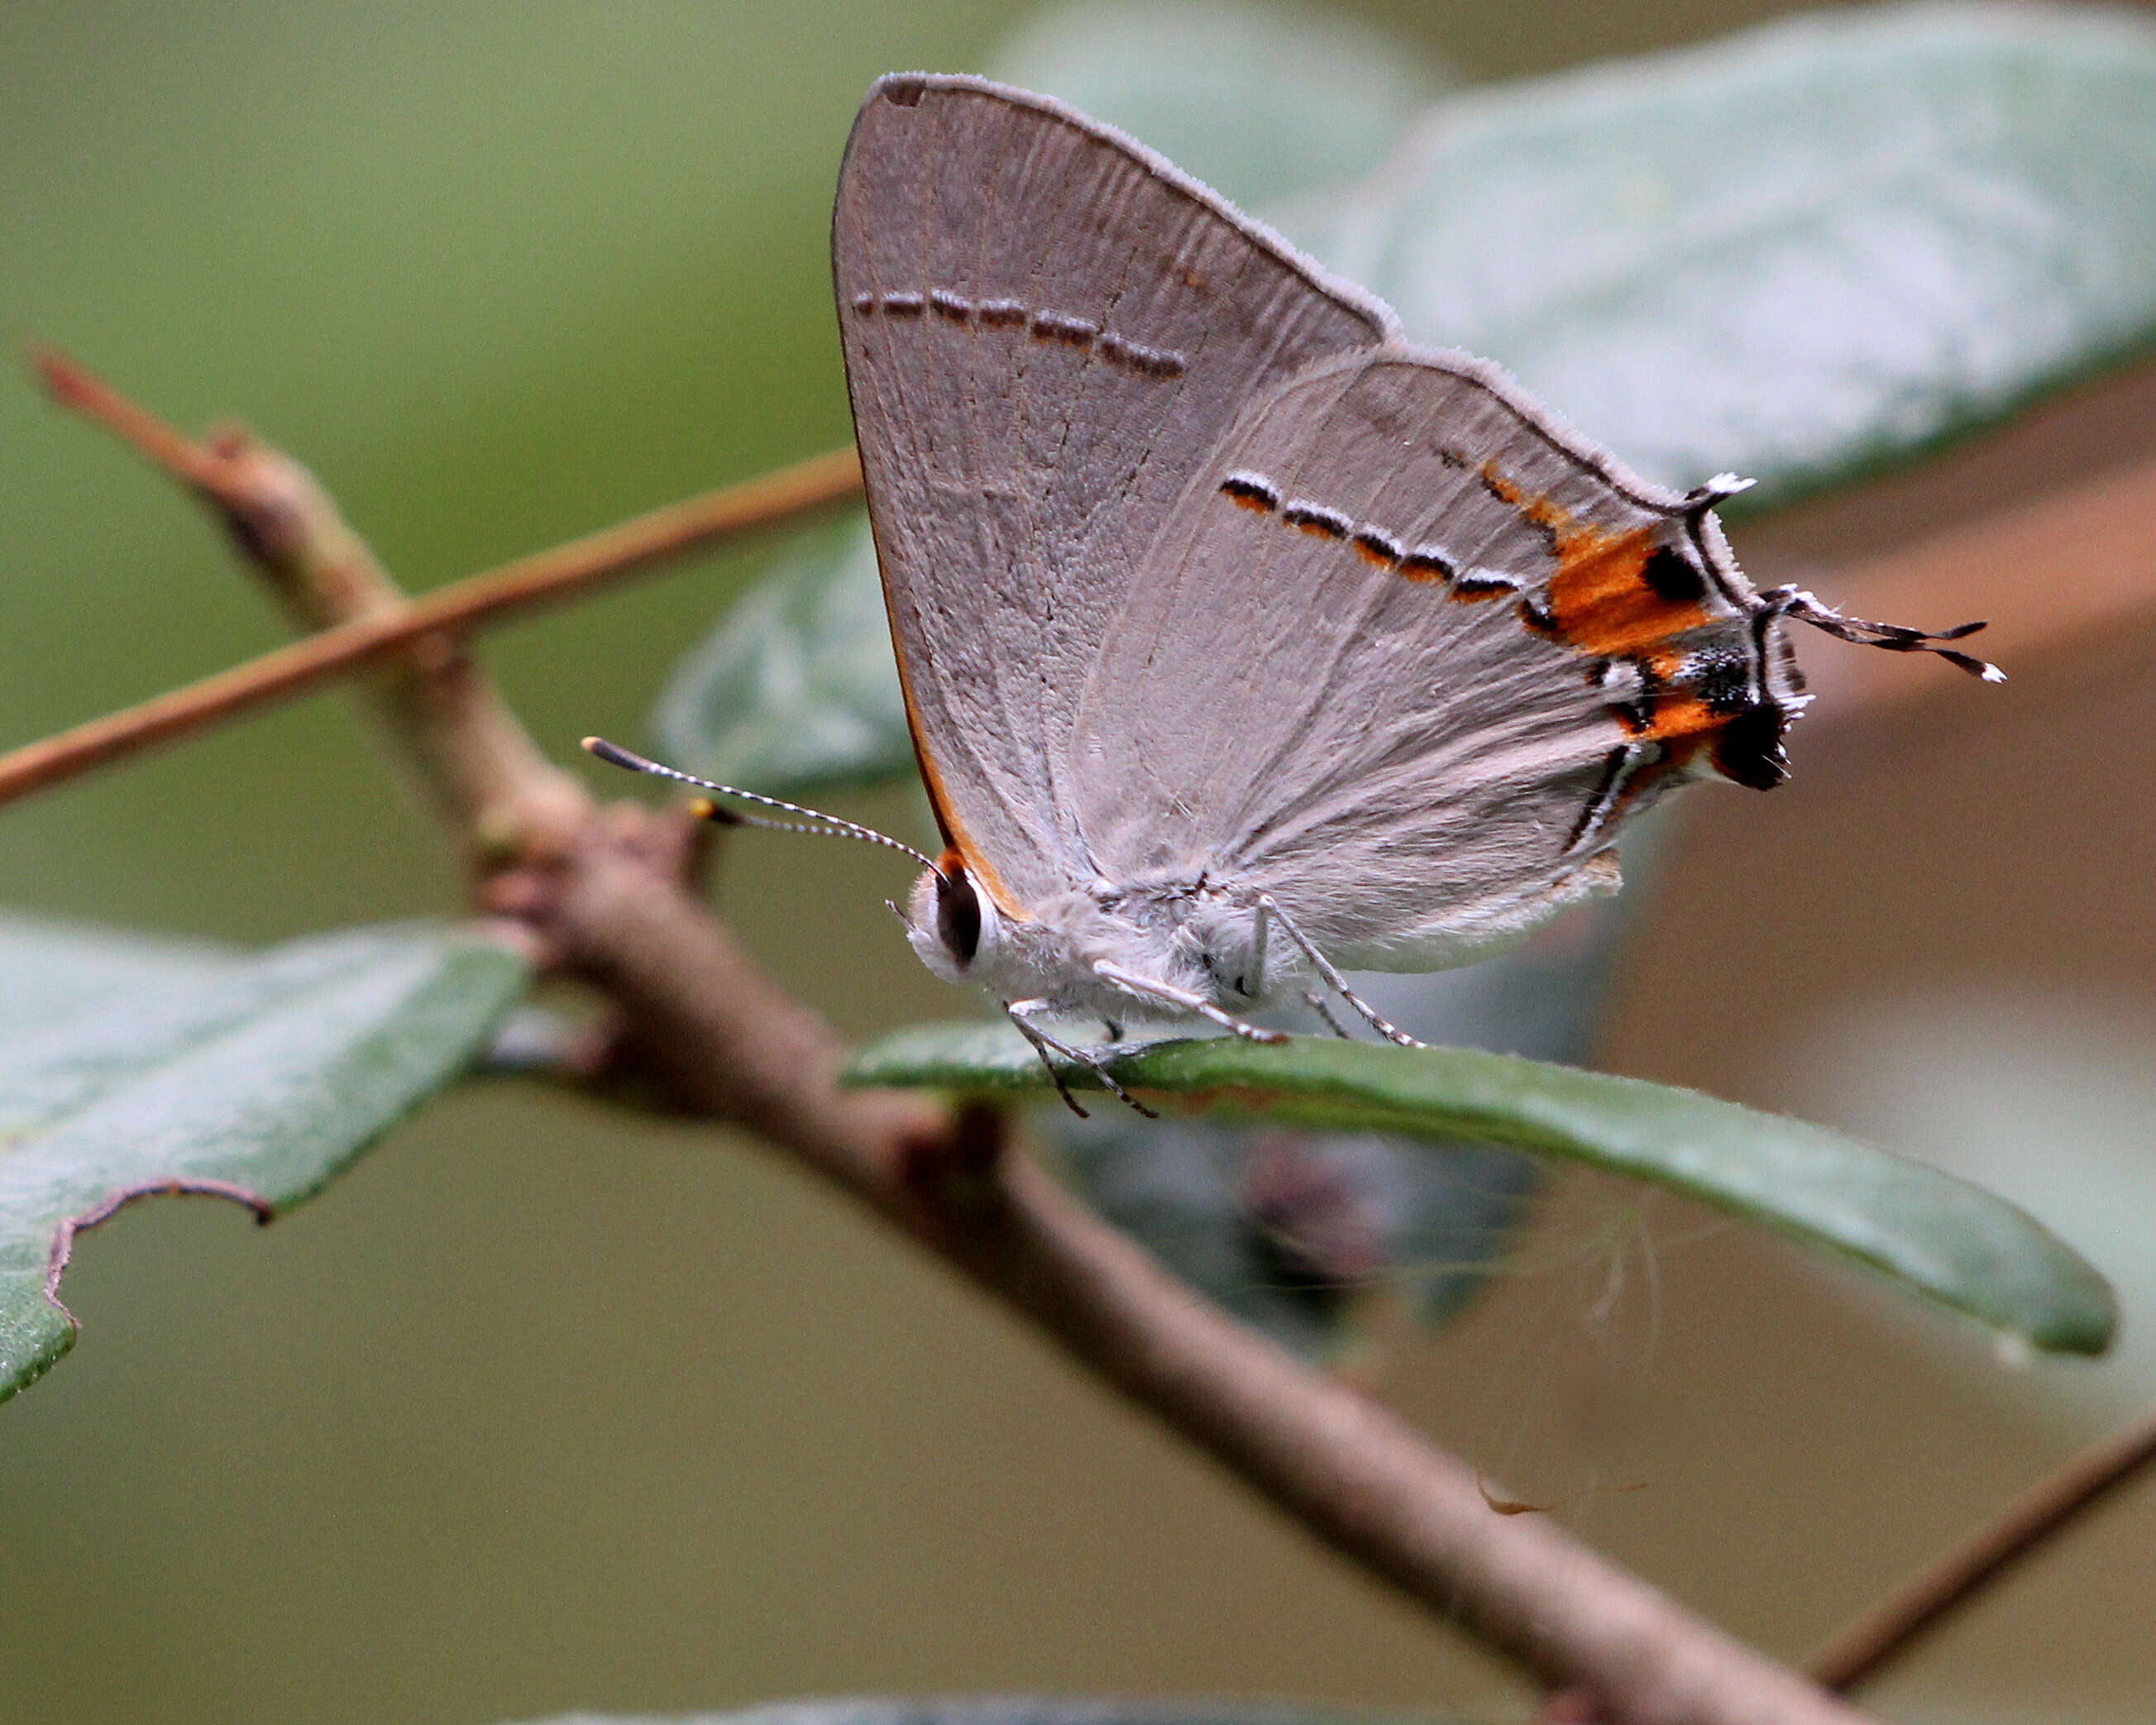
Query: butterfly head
[{"x": 951, "y": 924}]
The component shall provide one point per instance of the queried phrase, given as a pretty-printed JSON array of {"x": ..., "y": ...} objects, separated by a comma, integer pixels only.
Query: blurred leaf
[
  {"x": 1944, "y": 1238},
  {"x": 1451, "y": 1209},
  {"x": 1285, "y": 1228},
  {"x": 1803, "y": 253},
  {"x": 56, "y": 970},
  {"x": 1007, "y": 1710},
  {"x": 130, "y": 1067},
  {"x": 796, "y": 690},
  {"x": 1259, "y": 101}
]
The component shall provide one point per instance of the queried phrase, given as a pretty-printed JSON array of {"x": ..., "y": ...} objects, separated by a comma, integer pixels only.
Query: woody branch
[{"x": 603, "y": 893}]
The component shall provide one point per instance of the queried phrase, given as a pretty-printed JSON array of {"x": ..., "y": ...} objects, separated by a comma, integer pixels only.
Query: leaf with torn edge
[
  {"x": 1939, "y": 1235},
  {"x": 130, "y": 1066}
]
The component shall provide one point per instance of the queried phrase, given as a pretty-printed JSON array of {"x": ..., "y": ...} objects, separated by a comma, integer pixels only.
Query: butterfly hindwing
[{"x": 1402, "y": 655}]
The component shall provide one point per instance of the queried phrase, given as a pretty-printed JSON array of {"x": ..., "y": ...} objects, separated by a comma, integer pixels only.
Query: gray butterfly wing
[
  {"x": 1046, "y": 329},
  {"x": 1401, "y": 656}
]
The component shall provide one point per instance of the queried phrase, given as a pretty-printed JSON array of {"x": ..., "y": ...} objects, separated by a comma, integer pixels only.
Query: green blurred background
[{"x": 544, "y": 1407}]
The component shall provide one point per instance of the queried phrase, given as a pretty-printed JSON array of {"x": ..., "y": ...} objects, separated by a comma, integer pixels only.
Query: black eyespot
[
  {"x": 958, "y": 916},
  {"x": 1671, "y": 579}
]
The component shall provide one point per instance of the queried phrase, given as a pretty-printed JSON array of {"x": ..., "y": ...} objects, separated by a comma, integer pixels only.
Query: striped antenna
[
  {"x": 1806, "y": 607},
  {"x": 830, "y": 827}
]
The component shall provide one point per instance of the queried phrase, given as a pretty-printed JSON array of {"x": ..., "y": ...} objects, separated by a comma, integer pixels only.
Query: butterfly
[{"x": 1243, "y": 641}]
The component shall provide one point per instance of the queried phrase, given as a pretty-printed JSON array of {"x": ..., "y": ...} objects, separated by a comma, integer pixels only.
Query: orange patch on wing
[
  {"x": 1683, "y": 716},
  {"x": 1600, "y": 600}
]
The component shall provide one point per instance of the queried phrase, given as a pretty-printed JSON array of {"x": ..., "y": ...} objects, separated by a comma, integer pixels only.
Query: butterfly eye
[{"x": 957, "y": 915}]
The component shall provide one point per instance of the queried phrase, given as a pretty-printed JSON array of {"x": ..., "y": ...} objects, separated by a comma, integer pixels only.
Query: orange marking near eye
[
  {"x": 1243, "y": 500},
  {"x": 955, "y": 839}
]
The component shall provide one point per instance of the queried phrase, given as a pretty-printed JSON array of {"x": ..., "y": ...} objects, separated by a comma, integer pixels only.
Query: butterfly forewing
[{"x": 1047, "y": 330}]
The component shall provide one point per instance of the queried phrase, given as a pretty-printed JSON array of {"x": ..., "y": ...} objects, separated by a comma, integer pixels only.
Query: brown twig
[
  {"x": 1887, "y": 1632},
  {"x": 611, "y": 902},
  {"x": 74, "y": 386},
  {"x": 463, "y": 747},
  {"x": 380, "y": 633}
]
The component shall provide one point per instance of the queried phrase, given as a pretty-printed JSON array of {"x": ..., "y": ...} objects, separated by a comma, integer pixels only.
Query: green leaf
[
  {"x": 1010, "y": 1710},
  {"x": 795, "y": 693},
  {"x": 1801, "y": 252},
  {"x": 130, "y": 1066},
  {"x": 1939, "y": 1235},
  {"x": 1259, "y": 101}
]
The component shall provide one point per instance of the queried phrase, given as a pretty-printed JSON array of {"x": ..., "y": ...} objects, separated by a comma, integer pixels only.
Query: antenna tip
[{"x": 614, "y": 755}]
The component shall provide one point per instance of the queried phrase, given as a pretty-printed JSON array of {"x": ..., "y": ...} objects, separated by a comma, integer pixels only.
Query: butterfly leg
[
  {"x": 1047, "y": 1047},
  {"x": 1325, "y": 968},
  {"x": 1316, "y": 1002},
  {"x": 1261, "y": 939},
  {"x": 1252, "y": 987},
  {"x": 1183, "y": 997}
]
